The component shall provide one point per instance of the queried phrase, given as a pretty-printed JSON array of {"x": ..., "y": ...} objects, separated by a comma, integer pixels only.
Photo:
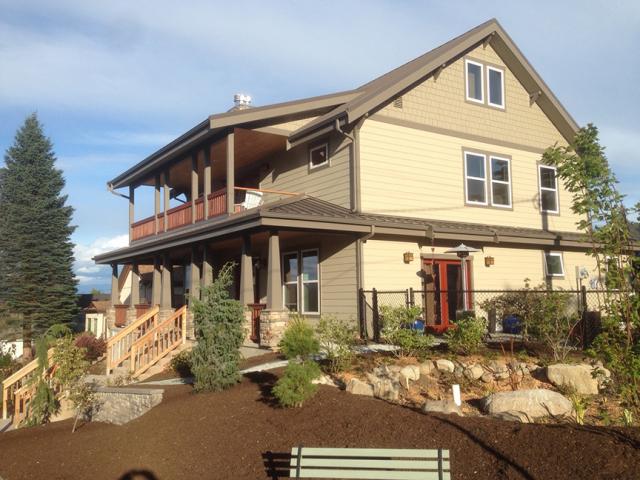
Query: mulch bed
[{"x": 241, "y": 434}]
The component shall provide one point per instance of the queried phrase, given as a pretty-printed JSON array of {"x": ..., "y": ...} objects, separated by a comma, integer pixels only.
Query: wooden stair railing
[
  {"x": 17, "y": 389},
  {"x": 119, "y": 346},
  {"x": 147, "y": 350}
]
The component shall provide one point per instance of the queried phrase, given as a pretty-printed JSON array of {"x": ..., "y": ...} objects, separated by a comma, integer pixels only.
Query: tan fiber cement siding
[
  {"x": 441, "y": 103},
  {"x": 384, "y": 268},
  {"x": 417, "y": 173},
  {"x": 290, "y": 172}
]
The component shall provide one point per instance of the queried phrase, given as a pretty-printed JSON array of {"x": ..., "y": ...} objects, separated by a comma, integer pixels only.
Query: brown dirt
[{"x": 240, "y": 434}]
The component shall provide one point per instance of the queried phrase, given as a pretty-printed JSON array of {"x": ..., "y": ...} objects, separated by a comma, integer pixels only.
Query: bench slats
[
  {"x": 369, "y": 452},
  {"x": 368, "y": 463},
  {"x": 369, "y": 474}
]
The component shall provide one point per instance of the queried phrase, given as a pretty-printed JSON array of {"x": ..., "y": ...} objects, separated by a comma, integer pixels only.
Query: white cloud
[{"x": 87, "y": 272}]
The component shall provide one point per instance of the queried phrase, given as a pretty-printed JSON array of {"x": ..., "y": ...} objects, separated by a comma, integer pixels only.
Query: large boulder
[
  {"x": 409, "y": 373},
  {"x": 533, "y": 404},
  {"x": 441, "y": 406},
  {"x": 474, "y": 372},
  {"x": 358, "y": 387},
  {"x": 444, "y": 365},
  {"x": 386, "y": 389},
  {"x": 427, "y": 368},
  {"x": 578, "y": 378}
]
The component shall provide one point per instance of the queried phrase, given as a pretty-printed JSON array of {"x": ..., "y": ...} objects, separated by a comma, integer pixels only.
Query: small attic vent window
[{"x": 398, "y": 102}]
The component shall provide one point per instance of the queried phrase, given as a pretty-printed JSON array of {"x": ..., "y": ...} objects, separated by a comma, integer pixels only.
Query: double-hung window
[
  {"x": 474, "y": 81},
  {"x": 475, "y": 178},
  {"x": 495, "y": 87},
  {"x": 301, "y": 281},
  {"x": 500, "y": 182},
  {"x": 548, "y": 189},
  {"x": 553, "y": 264}
]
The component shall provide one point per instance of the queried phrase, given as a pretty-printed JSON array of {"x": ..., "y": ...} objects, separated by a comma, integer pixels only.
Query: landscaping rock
[
  {"x": 487, "y": 377},
  {"x": 427, "y": 368},
  {"x": 441, "y": 406},
  {"x": 498, "y": 367},
  {"x": 445, "y": 365},
  {"x": 358, "y": 387},
  {"x": 534, "y": 404},
  {"x": 474, "y": 372},
  {"x": 325, "y": 380},
  {"x": 410, "y": 372},
  {"x": 575, "y": 377},
  {"x": 386, "y": 389},
  {"x": 121, "y": 405},
  {"x": 513, "y": 416}
]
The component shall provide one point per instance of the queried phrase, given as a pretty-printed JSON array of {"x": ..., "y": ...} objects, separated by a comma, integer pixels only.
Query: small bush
[
  {"x": 95, "y": 347},
  {"x": 467, "y": 337},
  {"x": 295, "y": 386},
  {"x": 336, "y": 339},
  {"x": 299, "y": 340},
  {"x": 396, "y": 323},
  {"x": 181, "y": 363}
]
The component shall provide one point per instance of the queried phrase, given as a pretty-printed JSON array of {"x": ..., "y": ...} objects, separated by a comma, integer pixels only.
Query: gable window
[
  {"x": 553, "y": 264},
  {"x": 301, "y": 281},
  {"x": 475, "y": 178},
  {"x": 495, "y": 83},
  {"x": 475, "y": 87},
  {"x": 500, "y": 182},
  {"x": 548, "y": 189},
  {"x": 319, "y": 156}
]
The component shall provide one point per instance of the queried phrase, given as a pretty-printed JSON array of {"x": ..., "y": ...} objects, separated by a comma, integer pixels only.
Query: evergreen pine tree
[{"x": 36, "y": 254}]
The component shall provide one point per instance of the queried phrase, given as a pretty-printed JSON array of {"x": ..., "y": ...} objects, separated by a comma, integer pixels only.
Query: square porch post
[
  {"x": 156, "y": 206},
  {"x": 207, "y": 179},
  {"x": 207, "y": 266},
  {"x": 132, "y": 193},
  {"x": 195, "y": 273},
  {"x": 134, "y": 296},
  {"x": 273, "y": 320},
  {"x": 115, "y": 293},
  {"x": 165, "y": 299},
  {"x": 230, "y": 173},
  {"x": 194, "y": 186},
  {"x": 156, "y": 288},
  {"x": 165, "y": 187},
  {"x": 246, "y": 273}
]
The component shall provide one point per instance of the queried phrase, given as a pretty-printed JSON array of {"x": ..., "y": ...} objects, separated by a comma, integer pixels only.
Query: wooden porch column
[
  {"x": 207, "y": 266},
  {"x": 115, "y": 294},
  {"x": 207, "y": 179},
  {"x": 195, "y": 273},
  {"x": 194, "y": 186},
  {"x": 132, "y": 192},
  {"x": 230, "y": 173},
  {"x": 274, "y": 276},
  {"x": 165, "y": 300},
  {"x": 246, "y": 273},
  {"x": 134, "y": 298},
  {"x": 156, "y": 288},
  {"x": 157, "y": 204},
  {"x": 165, "y": 187}
]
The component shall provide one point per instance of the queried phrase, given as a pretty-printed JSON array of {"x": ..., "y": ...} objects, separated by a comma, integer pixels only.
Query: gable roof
[{"x": 392, "y": 84}]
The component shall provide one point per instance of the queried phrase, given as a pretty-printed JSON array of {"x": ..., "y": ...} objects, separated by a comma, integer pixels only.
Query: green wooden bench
[{"x": 370, "y": 463}]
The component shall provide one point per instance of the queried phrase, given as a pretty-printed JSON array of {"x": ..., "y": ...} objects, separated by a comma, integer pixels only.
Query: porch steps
[{"x": 164, "y": 362}]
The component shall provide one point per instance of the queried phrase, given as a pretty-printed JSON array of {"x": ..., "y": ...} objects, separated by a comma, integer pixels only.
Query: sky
[{"x": 114, "y": 81}]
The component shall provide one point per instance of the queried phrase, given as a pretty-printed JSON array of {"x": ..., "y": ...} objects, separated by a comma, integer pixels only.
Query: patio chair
[{"x": 252, "y": 199}]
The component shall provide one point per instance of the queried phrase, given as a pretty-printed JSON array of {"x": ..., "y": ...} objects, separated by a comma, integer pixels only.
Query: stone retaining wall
[{"x": 121, "y": 405}]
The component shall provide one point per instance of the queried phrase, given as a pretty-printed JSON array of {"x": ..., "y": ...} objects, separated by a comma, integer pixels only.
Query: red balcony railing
[{"x": 180, "y": 216}]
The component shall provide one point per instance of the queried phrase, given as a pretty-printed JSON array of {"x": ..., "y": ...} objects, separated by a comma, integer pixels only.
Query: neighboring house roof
[
  {"x": 349, "y": 106},
  {"x": 98, "y": 306},
  {"x": 312, "y": 214}
]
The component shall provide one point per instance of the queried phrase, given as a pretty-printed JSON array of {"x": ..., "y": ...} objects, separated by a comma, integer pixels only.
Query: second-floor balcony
[{"x": 182, "y": 215}]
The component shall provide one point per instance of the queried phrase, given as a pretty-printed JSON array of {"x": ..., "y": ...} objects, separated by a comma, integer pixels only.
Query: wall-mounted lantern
[
  {"x": 407, "y": 257},
  {"x": 488, "y": 261}
]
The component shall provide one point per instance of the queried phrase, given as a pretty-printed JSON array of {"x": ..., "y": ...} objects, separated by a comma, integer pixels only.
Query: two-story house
[{"x": 368, "y": 188}]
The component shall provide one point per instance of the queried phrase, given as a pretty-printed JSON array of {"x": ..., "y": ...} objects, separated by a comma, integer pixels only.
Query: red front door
[{"x": 444, "y": 292}]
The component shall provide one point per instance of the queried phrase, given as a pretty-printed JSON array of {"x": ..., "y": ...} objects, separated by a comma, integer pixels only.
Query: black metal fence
[{"x": 584, "y": 304}]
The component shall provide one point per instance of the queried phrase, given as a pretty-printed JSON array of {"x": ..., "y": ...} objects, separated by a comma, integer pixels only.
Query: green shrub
[
  {"x": 467, "y": 337},
  {"x": 219, "y": 329},
  {"x": 44, "y": 403},
  {"x": 295, "y": 386},
  {"x": 181, "y": 363},
  {"x": 336, "y": 338},
  {"x": 395, "y": 331},
  {"x": 299, "y": 339}
]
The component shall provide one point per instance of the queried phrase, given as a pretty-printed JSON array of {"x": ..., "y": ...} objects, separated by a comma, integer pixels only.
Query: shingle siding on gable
[{"x": 441, "y": 103}]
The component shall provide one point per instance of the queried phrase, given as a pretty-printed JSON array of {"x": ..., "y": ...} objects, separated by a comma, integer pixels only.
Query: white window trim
[
  {"x": 303, "y": 282},
  {"x": 546, "y": 266},
  {"x": 497, "y": 105},
  {"x": 296, "y": 282},
  {"x": 492, "y": 181},
  {"x": 466, "y": 81},
  {"x": 324, "y": 146},
  {"x": 467, "y": 177},
  {"x": 555, "y": 190}
]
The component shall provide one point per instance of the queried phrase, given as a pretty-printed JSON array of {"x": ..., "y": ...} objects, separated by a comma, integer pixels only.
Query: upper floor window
[
  {"x": 493, "y": 188},
  {"x": 548, "y": 189},
  {"x": 475, "y": 86},
  {"x": 493, "y": 94},
  {"x": 495, "y": 83},
  {"x": 319, "y": 155}
]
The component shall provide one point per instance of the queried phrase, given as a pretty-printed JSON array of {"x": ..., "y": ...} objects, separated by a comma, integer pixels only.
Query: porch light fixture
[
  {"x": 407, "y": 257},
  {"x": 488, "y": 261},
  {"x": 463, "y": 251}
]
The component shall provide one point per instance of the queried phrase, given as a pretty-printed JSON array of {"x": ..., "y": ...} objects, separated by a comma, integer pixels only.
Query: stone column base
[
  {"x": 131, "y": 315},
  {"x": 191, "y": 329},
  {"x": 110, "y": 318},
  {"x": 247, "y": 325},
  {"x": 272, "y": 326},
  {"x": 165, "y": 313}
]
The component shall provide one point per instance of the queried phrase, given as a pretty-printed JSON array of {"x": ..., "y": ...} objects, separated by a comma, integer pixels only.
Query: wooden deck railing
[
  {"x": 181, "y": 216},
  {"x": 158, "y": 342},
  {"x": 18, "y": 389},
  {"x": 119, "y": 346}
]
